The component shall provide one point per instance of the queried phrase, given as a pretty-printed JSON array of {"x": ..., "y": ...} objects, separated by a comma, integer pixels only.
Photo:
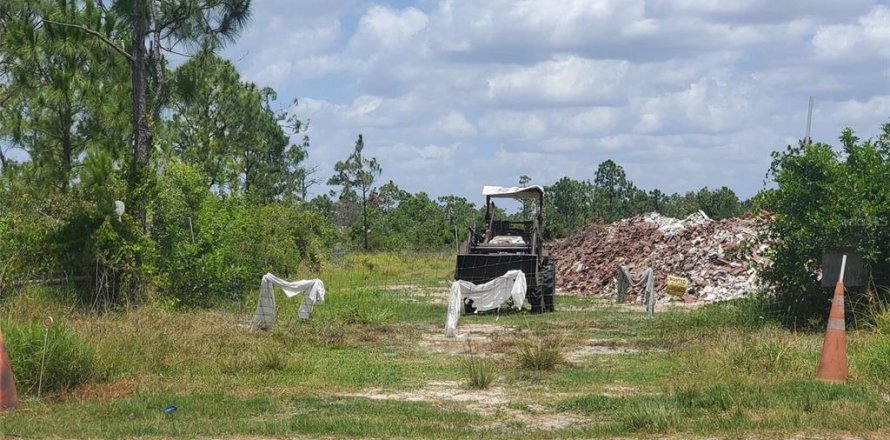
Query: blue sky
[{"x": 451, "y": 95}]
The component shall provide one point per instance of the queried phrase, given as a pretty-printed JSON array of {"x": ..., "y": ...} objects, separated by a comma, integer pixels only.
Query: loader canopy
[{"x": 514, "y": 192}]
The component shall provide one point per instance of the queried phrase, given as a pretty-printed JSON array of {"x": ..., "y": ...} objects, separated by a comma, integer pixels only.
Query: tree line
[{"x": 388, "y": 217}]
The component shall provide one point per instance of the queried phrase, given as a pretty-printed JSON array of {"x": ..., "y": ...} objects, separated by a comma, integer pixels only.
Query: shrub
[
  {"x": 70, "y": 361},
  {"x": 76, "y": 234},
  {"x": 214, "y": 248},
  {"x": 825, "y": 199}
]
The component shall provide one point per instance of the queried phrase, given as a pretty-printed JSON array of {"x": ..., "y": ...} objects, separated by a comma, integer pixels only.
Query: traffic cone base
[
  {"x": 833, "y": 363},
  {"x": 8, "y": 397}
]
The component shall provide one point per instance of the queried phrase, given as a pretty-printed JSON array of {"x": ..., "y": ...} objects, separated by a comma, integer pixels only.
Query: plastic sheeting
[
  {"x": 513, "y": 192},
  {"x": 625, "y": 281},
  {"x": 313, "y": 293},
  {"x": 488, "y": 296}
]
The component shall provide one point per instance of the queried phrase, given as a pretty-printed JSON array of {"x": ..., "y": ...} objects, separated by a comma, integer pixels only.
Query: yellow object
[{"x": 676, "y": 286}]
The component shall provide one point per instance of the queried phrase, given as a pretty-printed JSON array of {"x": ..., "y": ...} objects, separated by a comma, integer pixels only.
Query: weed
[
  {"x": 233, "y": 365},
  {"x": 479, "y": 373},
  {"x": 881, "y": 322},
  {"x": 878, "y": 315},
  {"x": 332, "y": 334},
  {"x": 717, "y": 397},
  {"x": 872, "y": 359},
  {"x": 369, "y": 313},
  {"x": 588, "y": 404},
  {"x": 743, "y": 314},
  {"x": 541, "y": 354},
  {"x": 271, "y": 358},
  {"x": 649, "y": 415},
  {"x": 70, "y": 361}
]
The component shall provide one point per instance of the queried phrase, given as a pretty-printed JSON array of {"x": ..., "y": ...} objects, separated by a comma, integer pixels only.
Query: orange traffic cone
[
  {"x": 8, "y": 397},
  {"x": 833, "y": 364}
]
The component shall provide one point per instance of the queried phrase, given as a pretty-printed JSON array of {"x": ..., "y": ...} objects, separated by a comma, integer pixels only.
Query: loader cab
[
  {"x": 499, "y": 235},
  {"x": 501, "y": 245}
]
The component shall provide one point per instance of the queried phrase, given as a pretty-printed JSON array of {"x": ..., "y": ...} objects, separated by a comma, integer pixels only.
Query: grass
[
  {"x": 371, "y": 364},
  {"x": 68, "y": 362},
  {"x": 737, "y": 407},
  {"x": 540, "y": 354},
  {"x": 479, "y": 373}
]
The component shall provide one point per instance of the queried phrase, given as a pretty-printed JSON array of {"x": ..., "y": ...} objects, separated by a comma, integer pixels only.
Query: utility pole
[{"x": 807, "y": 140}]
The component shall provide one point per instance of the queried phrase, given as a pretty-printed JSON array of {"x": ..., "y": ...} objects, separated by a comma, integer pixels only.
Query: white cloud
[
  {"x": 436, "y": 153},
  {"x": 594, "y": 120},
  {"x": 563, "y": 144},
  {"x": 674, "y": 90},
  {"x": 871, "y": 112},
  {"x": 455, "y": 124},
  {"x": 759, "y": 11},
  {"x": 383, "y": 28},
  {"x": 512, "y": 123},
  {"x": 567, "y": 79},
  {"x": 706, "y": 106},
  {"x": 869, "y": 38},
  {"x": 274, "y": 46},
  {"x": 518, "y": 28}
]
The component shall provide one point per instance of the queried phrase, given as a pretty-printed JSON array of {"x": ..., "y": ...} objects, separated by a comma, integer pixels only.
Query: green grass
[
  {"x": 797, "y": 404},
  {"x": 541, "y": 354},
  {"x": 371, "y": 364},
  {"x": 479, "y": 373}
]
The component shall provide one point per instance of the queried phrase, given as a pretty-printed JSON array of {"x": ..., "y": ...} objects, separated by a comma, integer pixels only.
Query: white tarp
[
  {"x": 528, "y": 192},
  {"x": 313, "y": 293},
  {"x": 488, "y": 296},
  {"x": 507, "y": 239}
]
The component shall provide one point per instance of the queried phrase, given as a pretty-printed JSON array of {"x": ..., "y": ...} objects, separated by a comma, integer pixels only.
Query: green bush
[
  {"x": 70, "y": 361},
  {"x": 827, "y": 199},
  {"x": 413, "y": 221},
  {"x": 214, "y": 248},
  {"x": 74, "y": 234}
]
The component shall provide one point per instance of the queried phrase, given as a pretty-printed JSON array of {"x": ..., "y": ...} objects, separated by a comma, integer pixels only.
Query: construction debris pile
[{"x": 718, "y": 257}]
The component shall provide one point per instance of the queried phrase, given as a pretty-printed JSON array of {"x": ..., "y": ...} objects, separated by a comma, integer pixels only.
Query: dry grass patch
[{"x": 541, "y": 354}]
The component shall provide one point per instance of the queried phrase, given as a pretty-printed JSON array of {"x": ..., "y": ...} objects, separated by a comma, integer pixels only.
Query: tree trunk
[
  {"x": 365, "y": 216},
  {"x": 141, "y": 132},
  {"x": 65, "y": 124},
  {"x": 66, "y": 161}
]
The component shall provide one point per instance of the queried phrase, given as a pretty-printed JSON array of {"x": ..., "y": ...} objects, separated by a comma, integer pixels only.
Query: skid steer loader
[{"x": 503, "y": 245}]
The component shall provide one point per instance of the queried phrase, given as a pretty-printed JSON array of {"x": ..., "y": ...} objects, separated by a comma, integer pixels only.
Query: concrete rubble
[{"x": 718, "y": 257}]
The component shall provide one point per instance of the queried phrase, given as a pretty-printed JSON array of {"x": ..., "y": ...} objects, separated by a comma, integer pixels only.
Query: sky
[{"x": 451, "y": 95}]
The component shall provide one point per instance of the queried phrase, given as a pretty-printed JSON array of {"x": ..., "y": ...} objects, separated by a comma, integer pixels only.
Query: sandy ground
[{"x": 492, "y": 401}]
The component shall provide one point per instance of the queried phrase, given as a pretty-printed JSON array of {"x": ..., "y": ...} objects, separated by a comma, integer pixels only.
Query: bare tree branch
[{"x": 117, "y": 48}]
